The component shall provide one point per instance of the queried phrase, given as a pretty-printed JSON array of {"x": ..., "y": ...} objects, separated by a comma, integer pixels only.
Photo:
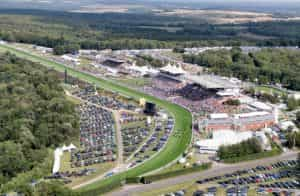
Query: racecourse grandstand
[
  {"x": 209, "y": 81},
  {"x": 195, "y": 92},
  {"x": 241, "y": 122}
]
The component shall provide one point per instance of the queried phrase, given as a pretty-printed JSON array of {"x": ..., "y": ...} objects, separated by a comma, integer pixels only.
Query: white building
[
  {"x": 228, "y": 137},
  {"x": 295, "y": 96},
  {"x": 285, "y": 125},
  {"x": 71, "y": 58},
  {"x": 229, "y": 92},
  {"x": 142, "y": 70},
  {"x": 224, "y": 137},
  {"x": 43, "y": 49},
  {"x": 2, "y": 42},
  {"x": 173, "y": 70}
]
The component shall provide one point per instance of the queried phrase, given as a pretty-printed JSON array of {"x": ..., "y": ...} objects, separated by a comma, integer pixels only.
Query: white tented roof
[
  {"x": 229, "y": 92},
  {"x": 173, "y": 69},
  {"x": 218, "y": 115},
  {"x": 143, "y": 70},
  {"x": 224, "y": 137}
]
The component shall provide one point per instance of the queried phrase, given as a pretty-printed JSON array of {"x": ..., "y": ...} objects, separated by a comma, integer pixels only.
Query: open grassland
[{"x": 174, "y": 147}]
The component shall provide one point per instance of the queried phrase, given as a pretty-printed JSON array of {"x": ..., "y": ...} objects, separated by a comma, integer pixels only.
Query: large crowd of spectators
[
  {"x": 194, "y": 92},
  {"x": 198, "y": 100}
]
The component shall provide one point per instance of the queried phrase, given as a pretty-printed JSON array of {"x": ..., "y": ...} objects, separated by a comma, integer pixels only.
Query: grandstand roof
[
  {"x": 113, "y": 62},
  {"x": 173, "y": 70},
  {"x": 251, "y": 114},
  {"x": 143, "y": 70},
  {"x": 261, "y": 105},
  {"x": 212, "y": 81},
  {"x": 218, "y": 115}
]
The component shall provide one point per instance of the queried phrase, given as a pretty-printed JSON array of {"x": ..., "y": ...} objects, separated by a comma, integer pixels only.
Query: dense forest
[
  {"x": 34, "y": 118},
  {"x": 66, "y": 31},
  {"x": 268, "y": 66}
]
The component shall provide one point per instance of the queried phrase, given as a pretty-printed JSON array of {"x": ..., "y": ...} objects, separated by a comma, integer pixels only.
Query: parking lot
[
  {"x": 97, "y": 137},
  {"x": 270, "y": 179},
  {"x": 157, "y": 138},
  {"x": 104, "y": 98}
]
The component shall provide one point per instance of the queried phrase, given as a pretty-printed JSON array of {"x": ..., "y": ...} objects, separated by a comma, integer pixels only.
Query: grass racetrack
[{"x": 175, "y": 146}]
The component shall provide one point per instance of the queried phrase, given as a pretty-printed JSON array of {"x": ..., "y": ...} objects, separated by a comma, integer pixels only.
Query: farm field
[{"x": 176, "y": 145}]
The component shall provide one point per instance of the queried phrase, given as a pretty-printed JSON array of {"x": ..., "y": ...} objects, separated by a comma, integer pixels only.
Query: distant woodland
[
  {"x": 68, "y": 31},
  {"x": 268, "y": 66}
]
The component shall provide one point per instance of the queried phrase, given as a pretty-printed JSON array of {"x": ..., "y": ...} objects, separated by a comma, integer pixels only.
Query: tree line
[
  {"x": 67, "y": 32},
  {"x": 34, "y": 117},
  {"x": 267, "y": 66}
]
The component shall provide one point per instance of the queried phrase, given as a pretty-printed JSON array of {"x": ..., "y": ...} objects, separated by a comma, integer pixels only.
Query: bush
[
  {"x": 276, "y": 150},
  {"x": 250, "y": 146},
  {"x": 261, "y": 155},
  {"x": 234, "y": 102}
]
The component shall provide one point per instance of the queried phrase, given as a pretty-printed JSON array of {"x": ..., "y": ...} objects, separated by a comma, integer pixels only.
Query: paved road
[{"x": 218, "y": 170}]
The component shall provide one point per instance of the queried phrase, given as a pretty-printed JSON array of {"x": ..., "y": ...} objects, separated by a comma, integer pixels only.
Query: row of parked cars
[
  {"x": 132, "y": 138},
  {"x": 97, "y": 136},
  {"x": 291, "y": 184},
  {"x": 211, "y": 191},
  {"x": 260, "y": 168},
  {"x": 156, "y": 140},
  {"x": 258, "y": 178},
  {"x": 238, "y": 186}
]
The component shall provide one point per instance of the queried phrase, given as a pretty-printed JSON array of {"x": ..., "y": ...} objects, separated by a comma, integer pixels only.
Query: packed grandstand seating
[
  {"x": 165, "y": 84},
  {"x": 195, "y": 92},
  {"x": 191, "y": 96}
]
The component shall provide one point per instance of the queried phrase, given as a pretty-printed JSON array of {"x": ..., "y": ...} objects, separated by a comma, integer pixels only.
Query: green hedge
[
  {"x": 103, "y": 189},
  {"x": 275, "y": 151},
  {"x": 179, "y": 172},
  {"x": 133, "y": 180}
]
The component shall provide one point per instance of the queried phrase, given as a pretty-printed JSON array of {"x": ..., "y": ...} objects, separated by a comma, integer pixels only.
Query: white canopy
[
  {"x": 224, "y": 137},
  {"x": 173, "y": 69}
]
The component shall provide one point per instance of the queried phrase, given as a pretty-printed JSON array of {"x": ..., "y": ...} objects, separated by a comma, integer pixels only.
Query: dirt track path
[{"x": 119, "y": 138}]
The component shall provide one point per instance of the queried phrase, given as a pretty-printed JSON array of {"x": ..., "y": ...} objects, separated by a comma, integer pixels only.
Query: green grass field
[
  {"x": 176, "y": 145},
  {"x": 269, "y": 90}
]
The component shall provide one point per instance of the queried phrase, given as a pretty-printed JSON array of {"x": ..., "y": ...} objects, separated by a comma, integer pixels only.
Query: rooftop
[
  {"x": 212, "y": 81},
  {"x": 173, "y": 69}
]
